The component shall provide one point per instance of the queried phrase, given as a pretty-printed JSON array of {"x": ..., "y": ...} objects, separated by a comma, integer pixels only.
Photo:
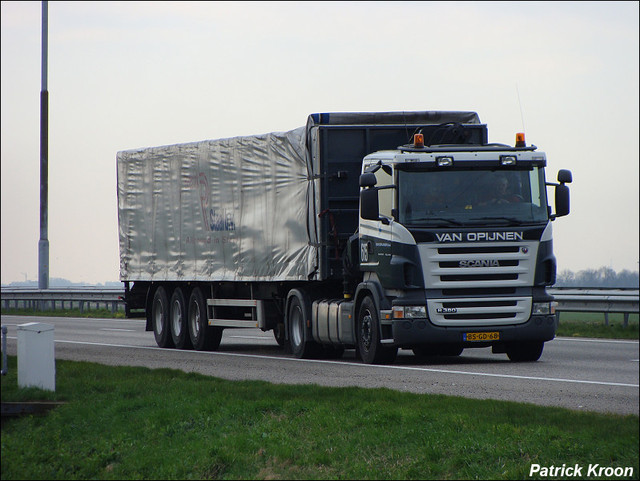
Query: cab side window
[{"x": 385, "y": 196}]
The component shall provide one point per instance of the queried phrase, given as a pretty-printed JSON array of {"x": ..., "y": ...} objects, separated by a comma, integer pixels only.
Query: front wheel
[
  {"x": 368, "y": 333},
  {"x": 525, "y": 351}
]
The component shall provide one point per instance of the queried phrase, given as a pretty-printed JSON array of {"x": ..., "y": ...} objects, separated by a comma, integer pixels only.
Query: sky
[{"x": 124, "y": 75}]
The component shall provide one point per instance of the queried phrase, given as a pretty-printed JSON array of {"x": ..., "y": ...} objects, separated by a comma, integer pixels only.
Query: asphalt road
[{"x": 579, "y": 374}]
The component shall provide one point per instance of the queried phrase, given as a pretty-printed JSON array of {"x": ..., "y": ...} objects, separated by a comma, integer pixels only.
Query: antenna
[{"x": 520, "y": 105}]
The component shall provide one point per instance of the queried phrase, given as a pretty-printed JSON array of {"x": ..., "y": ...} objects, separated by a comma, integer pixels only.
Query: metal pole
[{"x": 43, "y": 244}]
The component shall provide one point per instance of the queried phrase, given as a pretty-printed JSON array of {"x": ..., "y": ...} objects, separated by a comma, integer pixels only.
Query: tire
[
  {"x": 202, "y": 336},
  {"x": 525, "y": 351},
  {"x": 278, "y": 334},
  {"x": 160, "y": 318},
  {"x": 302, "y": 346},
  {"x": 368, "y": 333},
  {"x": 178, "y": 320}
]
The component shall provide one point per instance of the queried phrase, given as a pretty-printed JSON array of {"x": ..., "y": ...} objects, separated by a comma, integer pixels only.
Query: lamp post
[{"x": 43, "y": 244}]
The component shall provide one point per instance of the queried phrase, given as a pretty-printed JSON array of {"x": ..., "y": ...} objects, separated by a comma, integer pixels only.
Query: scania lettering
[
  {"x": 480, "y": 263},
  {"x": 368, "y": 231}
]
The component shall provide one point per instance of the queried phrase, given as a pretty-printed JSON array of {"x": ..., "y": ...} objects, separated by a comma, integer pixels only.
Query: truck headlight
[
  {"x": 544, "y": 308},
  {"x": 409, "y": 312}
]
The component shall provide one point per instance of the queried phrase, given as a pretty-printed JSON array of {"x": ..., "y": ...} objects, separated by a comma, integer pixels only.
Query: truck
[{"x": 373, "y": 231}]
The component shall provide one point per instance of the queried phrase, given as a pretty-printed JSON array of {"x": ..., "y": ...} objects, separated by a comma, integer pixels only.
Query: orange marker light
[
  {"x": 520, "y": 140},
  {"x": 418, "y": 141}
]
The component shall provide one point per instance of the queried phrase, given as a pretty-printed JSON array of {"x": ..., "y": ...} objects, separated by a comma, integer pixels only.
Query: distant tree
[{"x": 602, "y": 277}]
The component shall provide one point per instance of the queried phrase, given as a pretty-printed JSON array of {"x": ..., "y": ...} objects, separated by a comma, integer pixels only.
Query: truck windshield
[{"x": 471, "y": 197}]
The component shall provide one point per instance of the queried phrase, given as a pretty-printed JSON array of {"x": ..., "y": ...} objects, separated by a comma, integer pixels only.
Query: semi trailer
[{"x": 366, "y": 231}]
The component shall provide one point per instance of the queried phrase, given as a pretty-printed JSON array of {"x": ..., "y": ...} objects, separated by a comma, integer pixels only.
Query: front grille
[
  {"x": 484, "y": 291},
  {"x": 473, "y": 266},
  {"x": 490, "y": 311},
  {"x": 481, "y": 303},
  {"x": 479, "y": 277}
]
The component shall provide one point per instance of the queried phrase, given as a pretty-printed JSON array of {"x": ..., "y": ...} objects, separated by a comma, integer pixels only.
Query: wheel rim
[
  {"x": 365, "y": 330},
  {"x": 297, "y": 333},
  {"x": 176, "y": 317},
  {"x": 158, "y": 315}
]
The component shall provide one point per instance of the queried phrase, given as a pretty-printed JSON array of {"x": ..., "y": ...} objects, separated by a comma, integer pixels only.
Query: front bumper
[{"x": 416, "y": 332}]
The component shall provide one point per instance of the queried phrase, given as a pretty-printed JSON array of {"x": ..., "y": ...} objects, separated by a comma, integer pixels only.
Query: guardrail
[
  {"x": 56, "y": 297},
  {"x": 583, "y": 299},
  {"x": 569, "y": 299}
]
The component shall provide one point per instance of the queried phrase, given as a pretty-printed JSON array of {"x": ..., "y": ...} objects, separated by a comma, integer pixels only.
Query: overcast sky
[{"x": 127, "y": 75}]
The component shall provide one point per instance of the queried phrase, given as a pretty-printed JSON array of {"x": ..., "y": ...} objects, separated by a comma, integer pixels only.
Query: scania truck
[{"x": 366, "y": 231}]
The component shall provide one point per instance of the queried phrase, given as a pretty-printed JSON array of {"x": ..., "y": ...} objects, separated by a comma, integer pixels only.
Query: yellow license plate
[{"x": 481, "y": 336}]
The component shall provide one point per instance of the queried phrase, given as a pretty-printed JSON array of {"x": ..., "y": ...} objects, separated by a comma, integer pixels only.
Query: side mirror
[
  {"x": 562, "y": 199},
  {"x": 368, "y": 179},
  {"x": 564, "y": 176},
  {"x": 369, "y": 208}
]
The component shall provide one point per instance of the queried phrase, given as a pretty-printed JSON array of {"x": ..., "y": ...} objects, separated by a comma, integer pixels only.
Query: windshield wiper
[
  {"x": 437, "y": 220},
  {"x": 509, "y": 220}
]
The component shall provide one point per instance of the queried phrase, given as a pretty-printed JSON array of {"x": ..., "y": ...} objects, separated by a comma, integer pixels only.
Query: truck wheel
[
  {"x": 160, "y": 318},
  {"x": 278, "y": 334},
  {"x": 178, "y": 320},
  {"x": 368, "y": 333},
  {"x": 301, "y": 346},
  {"x": 203, "y": 337},
  {"x": 525, "y": 351}
]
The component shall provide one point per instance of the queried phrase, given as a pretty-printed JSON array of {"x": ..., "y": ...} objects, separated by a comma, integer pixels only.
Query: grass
[
  {"x": 591, "y": 324},
  {"x": 138, "y": 423}
]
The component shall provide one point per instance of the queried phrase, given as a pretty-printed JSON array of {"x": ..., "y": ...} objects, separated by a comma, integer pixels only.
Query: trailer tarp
[{"x": 228, "y": 210}]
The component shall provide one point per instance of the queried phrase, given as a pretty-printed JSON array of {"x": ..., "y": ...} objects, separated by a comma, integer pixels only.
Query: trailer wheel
[
  {"x": 368, "y": 334},
  {"x": 525, "y": 351},
  {"x": 203, "y": 337},
  {"x": 160, "y": 318},
  {"x": 278, "y": 334},
  {"x": 178, "y": 320},
  {"x": 301, "y": 346}
]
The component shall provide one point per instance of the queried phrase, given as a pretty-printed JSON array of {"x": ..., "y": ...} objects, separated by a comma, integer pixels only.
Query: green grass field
[
  {"x": 591, "y": 324},
  {"x": 137, "y": 423}
]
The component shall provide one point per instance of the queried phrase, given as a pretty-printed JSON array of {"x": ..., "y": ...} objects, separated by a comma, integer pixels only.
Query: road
[{"x": 579, "y": 374}]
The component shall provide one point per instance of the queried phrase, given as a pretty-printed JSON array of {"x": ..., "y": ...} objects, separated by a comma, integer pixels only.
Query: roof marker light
[
  {"x": 444, "y": 161},
  {"x": 508, "y": 160}
]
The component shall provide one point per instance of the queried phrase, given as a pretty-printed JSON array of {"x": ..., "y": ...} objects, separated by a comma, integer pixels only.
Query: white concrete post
[{"x": 36, "y": 358}]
